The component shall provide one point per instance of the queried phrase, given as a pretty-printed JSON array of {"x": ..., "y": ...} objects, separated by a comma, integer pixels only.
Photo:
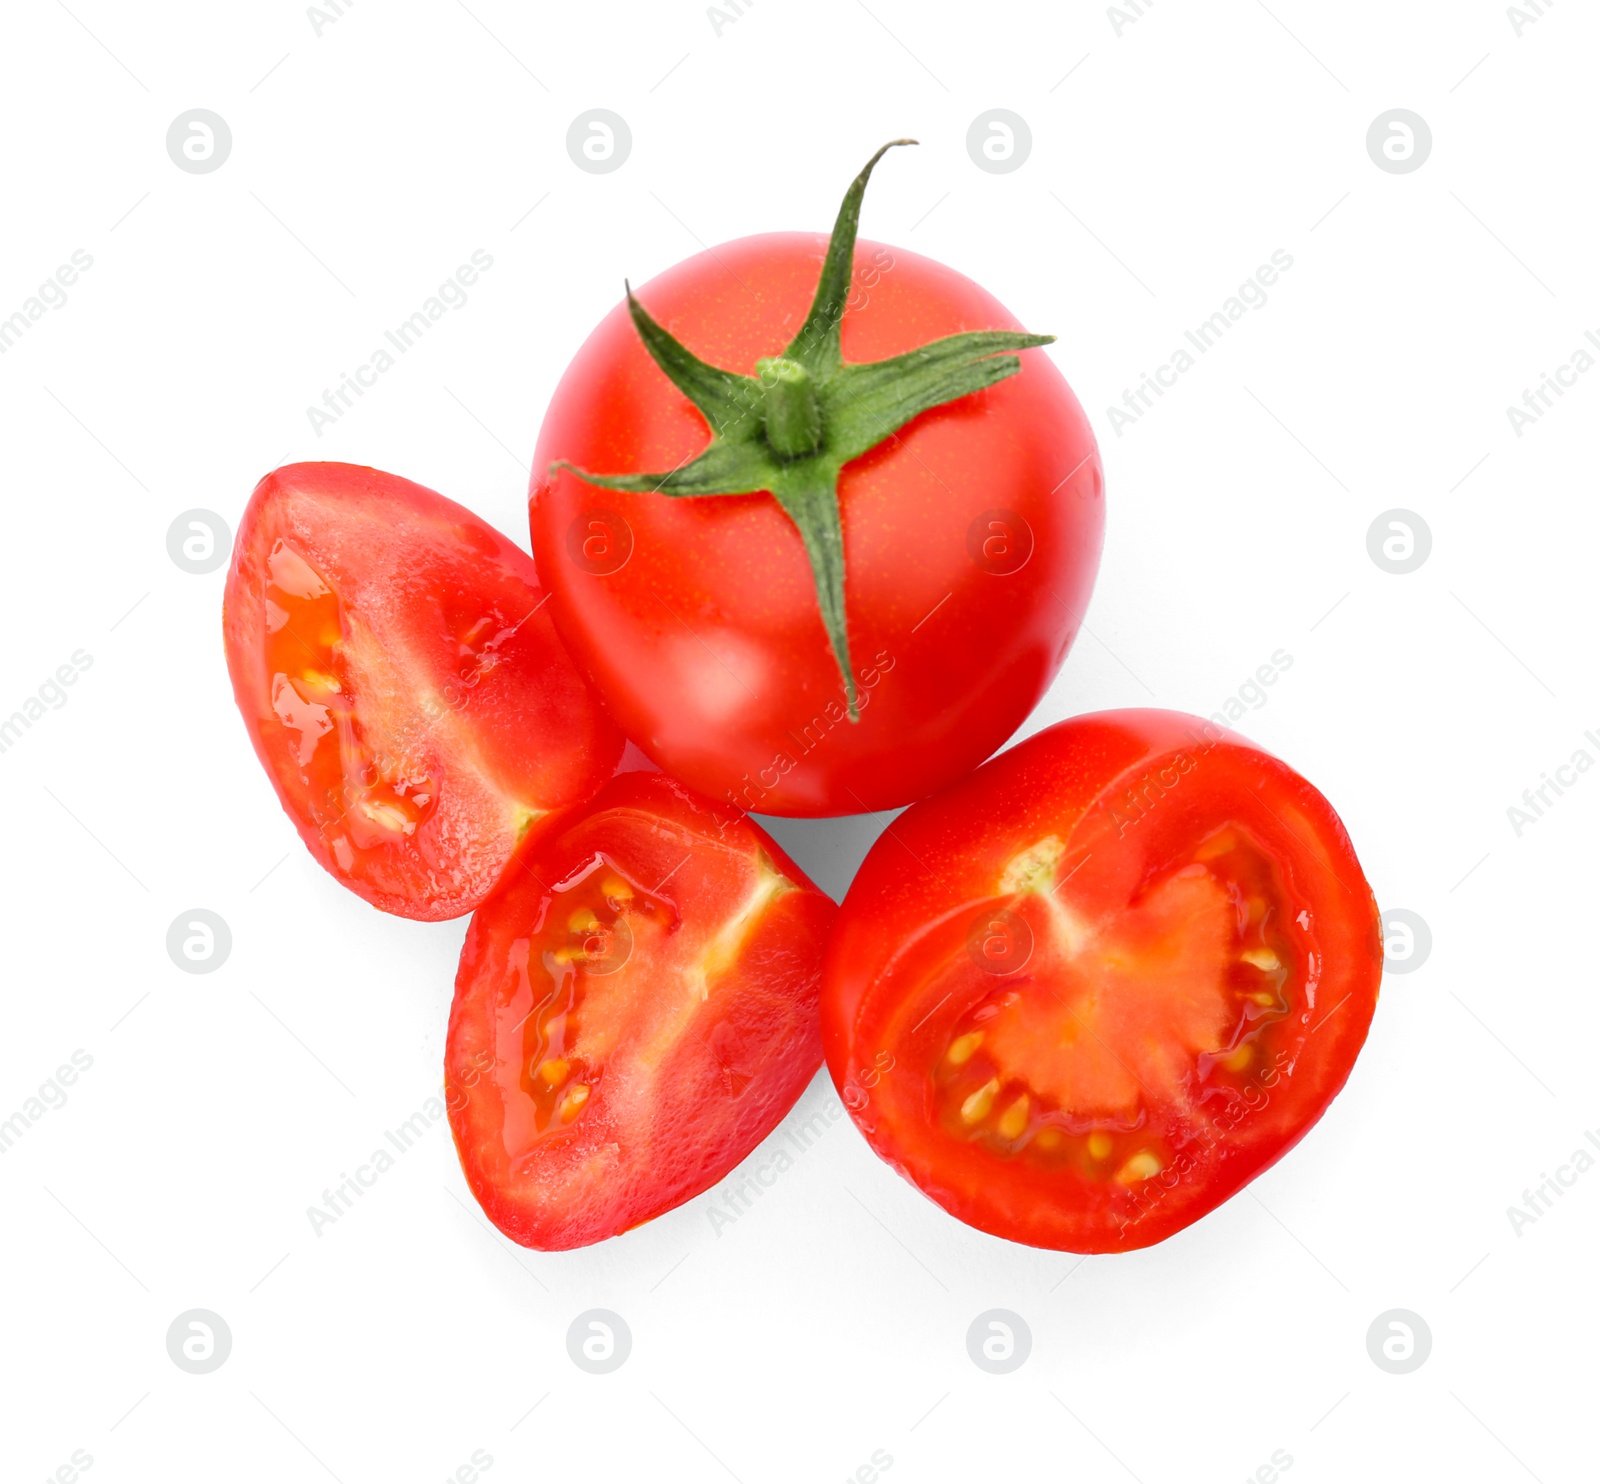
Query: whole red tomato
[
  {"x": 928, "y": 572},
  {"x": 1085, "y": 995}
]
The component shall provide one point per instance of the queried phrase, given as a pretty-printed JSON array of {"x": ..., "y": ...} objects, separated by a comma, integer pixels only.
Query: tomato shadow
[{"x": 829, "y": 851}]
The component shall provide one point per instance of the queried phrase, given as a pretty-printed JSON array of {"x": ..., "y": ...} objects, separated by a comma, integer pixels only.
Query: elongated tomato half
[
  {"x": 403, "y": 685},
  {"x": 1084, "y": 996},
  {"x": 635, "y": 1010}
]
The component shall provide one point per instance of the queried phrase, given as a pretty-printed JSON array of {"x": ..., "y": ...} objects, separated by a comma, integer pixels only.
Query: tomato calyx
[{"x": 790, "y": 429}]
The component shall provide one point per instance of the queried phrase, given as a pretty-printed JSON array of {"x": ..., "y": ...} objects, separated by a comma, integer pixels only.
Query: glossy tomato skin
[
  {"x": 1130, "y": 799},
  {"x": 403, "y": 685},
  {"x": 971, "y": 542},
  {"x": 635, "y": 1010}
]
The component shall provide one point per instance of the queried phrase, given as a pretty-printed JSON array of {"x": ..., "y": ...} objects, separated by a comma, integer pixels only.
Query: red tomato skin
[
  {"x": 611, "y": 1175},
  {"x": 939, "y": 861},
  {"x": 708, "y": 645},
  {"x": 396, "y": 554}
]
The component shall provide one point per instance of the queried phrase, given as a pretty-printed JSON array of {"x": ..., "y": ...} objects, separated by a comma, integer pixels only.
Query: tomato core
[
  {"x": 605, "y": 974},
  {"x": 359, "y": 804},
  {"x": 1073, "y": 1056},
  {"x": 591, "y": 930}
]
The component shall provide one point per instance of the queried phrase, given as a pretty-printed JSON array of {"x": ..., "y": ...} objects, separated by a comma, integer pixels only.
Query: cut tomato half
[
  {"x": 636, "y": 1009},
  {"x": 1117, "y": 972},
  {"x": 403, "y": 685}
]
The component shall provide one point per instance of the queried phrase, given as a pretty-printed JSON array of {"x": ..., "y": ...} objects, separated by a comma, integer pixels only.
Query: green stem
[
  {"x": 809, "y": 497},
  {"x": 793, "y": 414}
]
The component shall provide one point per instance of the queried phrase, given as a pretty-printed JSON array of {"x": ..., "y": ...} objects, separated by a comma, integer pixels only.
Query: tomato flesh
[
  {"x": 1110, "y": 1000},
  {"x": 1058, "y": 1076},
  {"x": 635, "y": 1011},
  {"x": 405, "y": 692}
]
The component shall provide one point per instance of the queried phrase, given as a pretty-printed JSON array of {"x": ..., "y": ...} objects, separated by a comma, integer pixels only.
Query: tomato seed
[
  {"x": 573, "y": 1102},
  {"x": 977, "y": 1105},
  {"x": 962, "y": 1047},
  {"x": 1014, "y": 1121},
  {"x": 1141, "y": 1167}
]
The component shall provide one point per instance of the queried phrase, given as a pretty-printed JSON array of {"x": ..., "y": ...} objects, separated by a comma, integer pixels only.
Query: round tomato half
[
  {"x": 1084, "y": 996},
  {"x": 970, "y": 540},
  {"x": 636, "y": 1009},
  {"x": 403, "y": 685}
]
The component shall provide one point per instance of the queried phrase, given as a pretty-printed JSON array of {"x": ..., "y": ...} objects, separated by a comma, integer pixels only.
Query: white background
[{"x": 829, "y": 1321}]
